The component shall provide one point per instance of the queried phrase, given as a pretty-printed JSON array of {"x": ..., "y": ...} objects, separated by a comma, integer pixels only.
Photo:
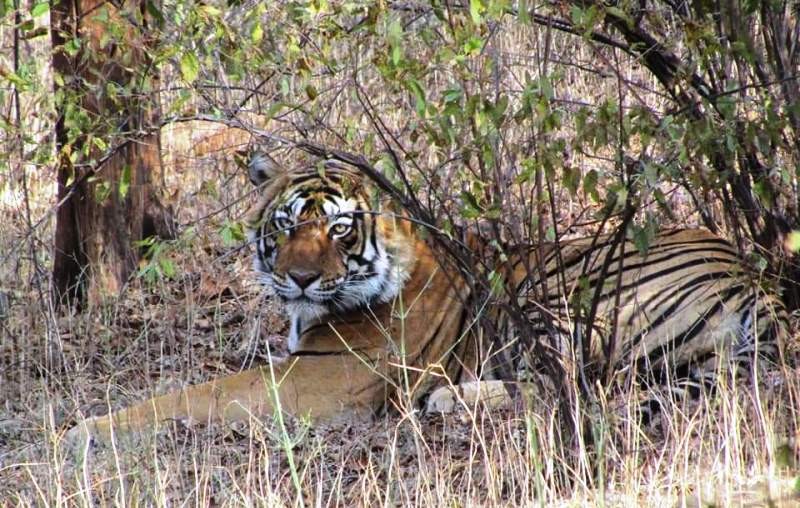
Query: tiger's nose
[{"x": 303, "y": 278}]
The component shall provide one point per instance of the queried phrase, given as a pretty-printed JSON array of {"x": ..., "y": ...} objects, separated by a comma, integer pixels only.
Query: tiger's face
[{"x": 323, "y": 246}]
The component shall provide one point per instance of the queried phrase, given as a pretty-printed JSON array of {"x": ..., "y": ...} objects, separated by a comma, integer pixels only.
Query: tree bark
[{"x": 108, "y": 144}]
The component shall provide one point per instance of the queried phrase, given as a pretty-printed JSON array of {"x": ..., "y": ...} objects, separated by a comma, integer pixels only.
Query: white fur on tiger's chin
[
  {"x": 305, "y": 312},
  {"x": 302, "y": 315}
]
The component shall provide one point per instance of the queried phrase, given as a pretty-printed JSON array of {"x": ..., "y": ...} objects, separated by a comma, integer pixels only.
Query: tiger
[{"x": 379, "y": 321}]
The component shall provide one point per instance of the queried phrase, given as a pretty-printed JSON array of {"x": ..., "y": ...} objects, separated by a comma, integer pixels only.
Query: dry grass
[
  {"x": 728, "y": 451},
  {"x": 735, "y": 448}
]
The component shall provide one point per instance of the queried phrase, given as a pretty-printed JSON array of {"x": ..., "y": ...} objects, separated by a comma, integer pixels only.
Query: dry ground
[{"x": 736, "y": 448}]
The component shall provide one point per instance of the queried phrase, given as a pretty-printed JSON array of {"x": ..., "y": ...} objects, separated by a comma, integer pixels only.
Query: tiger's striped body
[
  {"x": 376, "y": 320},
  {"x": 680, "y": 307}
]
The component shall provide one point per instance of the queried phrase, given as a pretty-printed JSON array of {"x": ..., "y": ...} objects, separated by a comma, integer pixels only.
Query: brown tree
[{"x": 108, "y": 144}]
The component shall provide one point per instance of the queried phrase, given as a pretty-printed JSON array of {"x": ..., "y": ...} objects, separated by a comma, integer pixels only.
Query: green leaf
[
  {"x": 190, "y": 67},
  {"x": 793, "y": 241},
  {"x": 257, "y": 33},
  {"x": 145, "y": 243},
  {"x": 40, "y": 9},
  {"x": 475, "y": 10},
  {"x": 275, "y": 109},
  {"x": 155, "y": 12},
  {"x": 167, "y": 267},
  {"x": 522, "y": 12},
  {"x": 452, "y": 95},
  {"x": 125, "y": 181},
  {"x": 496, "y": 283},
  {"x": 620, "y": 14},
  {"x": 232, "y": 233},
  {"x": 72, "y": 46},
  {"x": 571, "y": 179},
  {"x": 641, "y": 239},
  {"x": 470, "y": 209},
  {"x": 394, "y": 33},
  {"x": 764, "y": 192},
  {"x": 759, "y": 262},
  {"x": 209, "y": 187},
  {"x": 311, "y": 92},
  {"x": 590, "y": 185},
  {"x": 498, "y": 110},
  {"x": 419, "y": 95},
  {"x": 16, "y": 79},
  {"x": 473, "y": 46},
  {"x": 651, "y": 173},
  {"x": 101, "y": 192},
  {"x": 784, "y": 458},
  {"x": 99, "y": 143},
  {"x": 396, "y": 55}
]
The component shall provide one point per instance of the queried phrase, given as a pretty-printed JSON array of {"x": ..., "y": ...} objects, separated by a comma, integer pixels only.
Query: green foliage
[
  {"x": 156, "y": 264},
  {"x": 102, "y": 191},
  {"x": 157, "y": 256},
  {"x": 793, "y": 241},
  {"x": 190, "y": 66},
  {"x": 232, "y": 233},
  {"x": 538, "y": 120},
  {"x": 643, "y": 235},
  {"x": 125, "y": 181},
  {"x": 485, "y": 87}
]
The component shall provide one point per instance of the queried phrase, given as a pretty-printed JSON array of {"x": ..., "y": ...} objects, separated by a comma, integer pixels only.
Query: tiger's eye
[{"x": 339, "y": 229}]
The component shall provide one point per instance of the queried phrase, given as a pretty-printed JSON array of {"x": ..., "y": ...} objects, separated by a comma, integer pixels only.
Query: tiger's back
[{"x": 680, "y": 307}]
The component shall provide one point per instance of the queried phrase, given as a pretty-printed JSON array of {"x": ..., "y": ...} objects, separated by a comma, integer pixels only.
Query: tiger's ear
[{"x": 260, "y": 166}]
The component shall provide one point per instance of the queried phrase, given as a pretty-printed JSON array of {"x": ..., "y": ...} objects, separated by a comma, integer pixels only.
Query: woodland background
[{"x": 124, "y": 270}]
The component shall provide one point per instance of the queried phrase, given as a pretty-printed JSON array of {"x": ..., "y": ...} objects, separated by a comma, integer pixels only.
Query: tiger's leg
[
  {"x": 492, "y": 394},
  {"x": 323, "y": 387}
]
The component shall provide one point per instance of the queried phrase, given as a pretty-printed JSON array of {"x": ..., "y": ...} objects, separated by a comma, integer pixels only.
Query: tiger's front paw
[
  {"x": 490, "y": 394},
  {"x": 442, "y": 400},
  {"x": 78, "y": 440},
  {"x": 87, "y": 434}
]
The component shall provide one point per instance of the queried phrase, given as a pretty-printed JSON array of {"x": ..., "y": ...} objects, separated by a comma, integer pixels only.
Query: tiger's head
[{"x": 325, "y": 244}]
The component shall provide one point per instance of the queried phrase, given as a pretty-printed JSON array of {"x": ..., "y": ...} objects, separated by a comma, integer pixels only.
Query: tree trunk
[{"x": 108, "y": 143}]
